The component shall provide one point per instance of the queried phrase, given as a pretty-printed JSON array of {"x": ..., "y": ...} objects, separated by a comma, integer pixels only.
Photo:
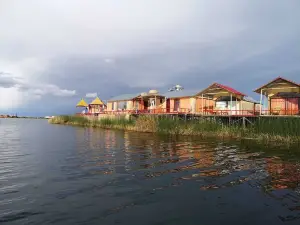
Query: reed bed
[{"x": 270, "y": 129}]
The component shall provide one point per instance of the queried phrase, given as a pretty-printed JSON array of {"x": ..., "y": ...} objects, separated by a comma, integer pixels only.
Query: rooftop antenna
[{"x": 176, "y": 88}]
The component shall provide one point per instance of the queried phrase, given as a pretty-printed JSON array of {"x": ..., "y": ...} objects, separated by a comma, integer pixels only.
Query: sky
[{"x": 55, "y": 52}]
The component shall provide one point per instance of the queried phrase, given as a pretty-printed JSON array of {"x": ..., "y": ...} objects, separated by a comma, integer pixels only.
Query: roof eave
[{"x": 258, "y": 90}]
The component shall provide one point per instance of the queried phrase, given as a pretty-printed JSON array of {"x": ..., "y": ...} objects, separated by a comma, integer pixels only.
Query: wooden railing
[
  {"x": 218, "y": 112},
  {"x": 281, "y": 112}
]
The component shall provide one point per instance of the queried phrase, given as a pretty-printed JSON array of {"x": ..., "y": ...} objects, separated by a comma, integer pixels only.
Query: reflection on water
[{"x": 70, "y": 175}]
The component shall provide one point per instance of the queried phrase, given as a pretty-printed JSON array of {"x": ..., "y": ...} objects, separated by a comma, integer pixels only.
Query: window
[
  {"x": 136, "y": 105},
  {"x": 152, "y": 102},
  {"x": 122, "y": 105}
]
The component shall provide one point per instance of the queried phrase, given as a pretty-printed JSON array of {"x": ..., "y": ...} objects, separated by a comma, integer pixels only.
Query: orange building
[
  {"x": 121, "y": 102},
  {"x": 151, "y": 101},
  {"x": 184, "y": 101}
]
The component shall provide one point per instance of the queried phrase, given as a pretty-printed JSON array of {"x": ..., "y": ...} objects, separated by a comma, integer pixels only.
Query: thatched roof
[
  {"x": 97, "y": 101},
  {"x": 82, "y": 103}
]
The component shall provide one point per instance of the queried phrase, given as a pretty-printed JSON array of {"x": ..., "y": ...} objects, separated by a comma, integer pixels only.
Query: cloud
[
  {"x": 109, "y": 60},
  {"x": 15, "y": 91},
  {"x": 49, "y": 89},
  {"x": 133, "y": 46},
  {"x": 91, "y": 95},
  {"x": 7, "y": 80}
]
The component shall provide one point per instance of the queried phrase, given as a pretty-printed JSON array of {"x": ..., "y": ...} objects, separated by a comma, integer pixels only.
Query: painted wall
[
  {"x": 119, "y": 105},
  {"x": 207, "y": 104},
  {"x": 238, "y": 107},
  {"x": 96, "y": 109},
  {"x": 284, "y": 106},
  {"x": 190, "y": 104},
  {"x": 109, "y": 106},
  {"x": 248, "y": 106}
]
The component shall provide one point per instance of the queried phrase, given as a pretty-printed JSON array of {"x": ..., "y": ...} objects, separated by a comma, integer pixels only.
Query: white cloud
[
  {"x": 138, "y": 43},
  {"x": 91, "y": 95},
  {"x": 10, "y": 98},
  {"x": 21, "y": 84},
  {"x": 50, "y": 89},
  {"x": 108, "y": 60}
]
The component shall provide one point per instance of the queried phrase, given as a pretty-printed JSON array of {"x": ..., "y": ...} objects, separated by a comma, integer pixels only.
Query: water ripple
[{"x": 67, "y": 175}]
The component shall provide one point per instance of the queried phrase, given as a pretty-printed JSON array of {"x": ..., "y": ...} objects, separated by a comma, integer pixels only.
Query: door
[
  {"x": 145, "y": 105},
  {"x": 176, "y": 105},
  {"x": 168, "y": 105}
]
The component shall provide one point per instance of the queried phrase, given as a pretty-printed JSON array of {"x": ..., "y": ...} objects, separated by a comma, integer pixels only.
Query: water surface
[{"x": 52, "y": 174}]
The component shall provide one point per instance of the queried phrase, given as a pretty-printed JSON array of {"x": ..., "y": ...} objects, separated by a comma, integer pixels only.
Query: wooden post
[
  {"x": 155, "y": 103},
  {"x": 267, "y": 101},
  {"x": 260, "y": 102},
  {"x": 242, "y": 106},
  {"x": 230, "y": 104},
  {"x": 270, "y": 105},
  {"x": 244, "y": 122},
  {"x": 165, "y": 110},
  {"x": 236, "y": 105},
  {"x": 202, "y": 105}
]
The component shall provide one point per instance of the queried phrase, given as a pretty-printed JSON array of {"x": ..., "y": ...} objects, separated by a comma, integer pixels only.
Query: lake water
[{"x": 52, "y": 174}]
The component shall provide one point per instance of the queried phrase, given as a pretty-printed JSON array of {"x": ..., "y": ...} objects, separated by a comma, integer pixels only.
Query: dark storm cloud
[
  {"x": 244, "y": 66},
  {"x": 7, "y": 80},
  {"x": 140, "y": 45}
]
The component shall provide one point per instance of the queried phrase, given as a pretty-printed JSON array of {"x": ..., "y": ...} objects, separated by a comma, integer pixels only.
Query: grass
[{"x": 265, "y": 129}]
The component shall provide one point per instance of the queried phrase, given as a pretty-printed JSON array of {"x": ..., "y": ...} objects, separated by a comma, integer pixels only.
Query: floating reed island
[{"x": 277, "y": 129}]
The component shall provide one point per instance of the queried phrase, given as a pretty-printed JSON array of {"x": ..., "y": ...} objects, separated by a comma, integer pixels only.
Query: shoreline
[{"x": 150, "y": 124}]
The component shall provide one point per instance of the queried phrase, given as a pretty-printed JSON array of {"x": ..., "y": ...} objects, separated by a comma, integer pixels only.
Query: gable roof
[
  {"x": 97, "y": 101},
  {"x": 227, "y": 88},
  {"x": 180, "y": 94},
  {"x": 82, "y": 103},
  {"x": 123, "y": 97},
  {"x": 230, "y": 89},
  {"x": 275, "y": 80}
]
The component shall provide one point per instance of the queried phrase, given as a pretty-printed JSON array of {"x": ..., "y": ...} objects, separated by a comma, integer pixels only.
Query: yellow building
[{"x": 281, "y": 96}]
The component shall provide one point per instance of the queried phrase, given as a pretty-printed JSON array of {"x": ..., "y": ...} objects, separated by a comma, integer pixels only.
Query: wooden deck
[{"x": 205, "y": 113}]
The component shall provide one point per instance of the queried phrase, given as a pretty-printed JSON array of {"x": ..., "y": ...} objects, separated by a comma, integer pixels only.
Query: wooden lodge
[
  {"x": 281, "y": 96},
  {"x": 226, "y": 101},
  {"x": 96, "y": 106},
  {"x": 151, "y": 102}
]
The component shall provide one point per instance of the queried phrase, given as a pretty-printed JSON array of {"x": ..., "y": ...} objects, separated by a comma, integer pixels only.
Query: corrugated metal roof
[
  {"x": 245, "y": 98},
  {"x": 123, "y": 97},
  {"x": 250, "y": 99},
  {"x": 230, "y": 89},
  {"x": 180, "y": 94}
]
